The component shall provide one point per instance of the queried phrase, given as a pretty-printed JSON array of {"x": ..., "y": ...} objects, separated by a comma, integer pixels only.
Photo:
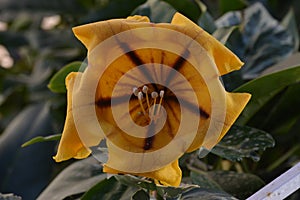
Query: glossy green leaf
[
  {"x": 57, "y": 82},
  {"x": 226, "y": 6},
  {"x": 136, "y": 182},
  {"x": 290, "y": 23},
  {"x": 156, "y": 10},
  {"x": 222, "y": 34},
  {"x": 205, "y": 194},
  {"x": 263, "y": 89},
  {"x": 289, "y": 62},
  {"x": 187, "y": 8},
  {"x": 243, "y": 142},
  {"x": 261, "y": 41},
  {"x": 164, "y": 191},
  {"x": 109, "y": 189},
  {"x": 205, "y": 20},
  {"x": 200, "y": 178},
  {"x": 42, "y": 139},
  {"x": 240, "y": 185},
  {"x": 75, "y": 179},
  {"x": 141, "y": 195}
]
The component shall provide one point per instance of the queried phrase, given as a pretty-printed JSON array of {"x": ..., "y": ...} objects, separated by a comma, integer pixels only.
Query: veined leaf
[
  {"x": 263, "y": 89},
  {"x": 156, "y": 10},
  {"x": 240, "y": 185},
  {"x": 57, "y": 82},
  {"x": 290, "y": 23},
  {"x": 108, "y": 189},
  {"x": 75, "y": 179},
  {"x": 241, "y": 142},
  {"x": 222, "y": 34}
]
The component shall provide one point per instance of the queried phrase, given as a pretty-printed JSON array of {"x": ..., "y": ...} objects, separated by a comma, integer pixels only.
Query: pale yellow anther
[
  {"x": 154, "y": 95},
  {"x": 145, "y": 89},
  {"x": 135, "y": 91}
]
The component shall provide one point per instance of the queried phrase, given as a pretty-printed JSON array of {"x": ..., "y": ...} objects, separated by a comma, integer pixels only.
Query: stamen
[
  {"x": 140, "y": 97},
  {"x": 161, "y": 94},
  {"x": 154, "y": 95},
  {"x": 135, "y": 91},
  {"x": 145, "y": 90}
]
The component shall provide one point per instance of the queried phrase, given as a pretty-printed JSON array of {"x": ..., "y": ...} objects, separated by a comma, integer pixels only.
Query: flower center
[{"x": 153, "y": 106}]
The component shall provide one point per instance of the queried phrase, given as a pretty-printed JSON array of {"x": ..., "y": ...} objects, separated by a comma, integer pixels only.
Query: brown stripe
[
  {"x": 191, "y": 107},
  {"x": 106, "y": 101},
  {"x": 131, "y": 54},
  {"x": 180, "y": 61}
]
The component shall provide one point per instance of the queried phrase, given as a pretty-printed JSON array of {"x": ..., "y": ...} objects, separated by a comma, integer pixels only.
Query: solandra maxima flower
[{"x": 152, "y": 91}]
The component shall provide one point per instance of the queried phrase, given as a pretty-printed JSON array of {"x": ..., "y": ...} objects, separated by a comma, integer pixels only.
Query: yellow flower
[{"x": 153, "y": 92}]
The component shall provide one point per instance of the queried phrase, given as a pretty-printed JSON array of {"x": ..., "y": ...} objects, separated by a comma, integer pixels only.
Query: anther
[
  {"x": 135, "y": 91},
  {"x": 145, "y": 89},
  {"x": 161, "y": 93},
  {"x": 154, "y": 95}
]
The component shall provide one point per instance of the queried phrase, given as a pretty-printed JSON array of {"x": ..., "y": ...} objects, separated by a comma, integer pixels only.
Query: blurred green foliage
[{"x": 261, "y": 34}]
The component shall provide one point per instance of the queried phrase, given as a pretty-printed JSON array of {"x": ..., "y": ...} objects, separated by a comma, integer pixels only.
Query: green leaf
[
  {"x": 137, "y": 182},
  {"x": 290, "y": 23},
  {"x": 174, "y": 192},
  {"x": 243, "y": 142},
  {"x": 226, "y": 6},
  {"x": 188, "y": 8},
  {"x": 205, "y": 194},
  {"x": 42, "y": 139},
  {"x": 109, "y": 189},
  {"x": 57, "y": 82},
  {"x": 289, "y": 62},
  {"x": 75, "y": 179},
  {"x": 261, "y": 41},
  {"x": 263, "y": 89},
  {"x": 156, "y": 10},
  {"x": 141, "y": 195},
  {"x": 205, "y": 20},
  {"x": 222, "y": 34},
  {"x": 200, "y": 178},
  {"x": 141, "y": 183},
  {"x": 240, "y": 185}
]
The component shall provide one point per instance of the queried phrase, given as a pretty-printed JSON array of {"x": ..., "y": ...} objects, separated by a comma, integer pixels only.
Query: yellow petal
[
  {"x": 138, "y": 18},
  {"x": 94, "y": 33},
  {"x": 225, "y": 60},
  {"x": 170, "y": 175},
  {"x": 70, "y": 145},
  {"x": 235, "y": 103}
]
